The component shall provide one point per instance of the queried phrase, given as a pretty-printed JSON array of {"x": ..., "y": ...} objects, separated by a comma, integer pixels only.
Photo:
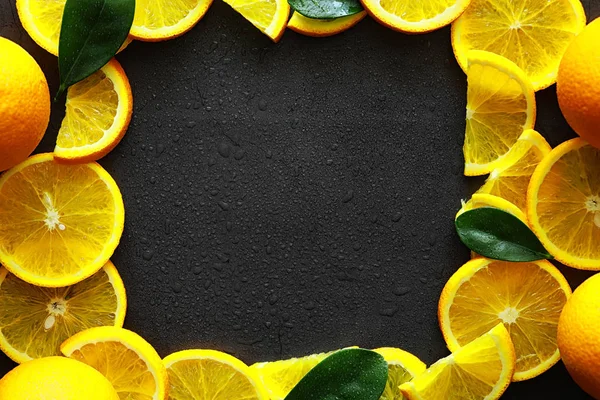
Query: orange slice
[
  {"x": 323, "y": 27},
  {"x": 563, "y": 203},
  {"x": 269, "y": 16},
  {"x": 98, "y": 113},
  {"x": 526, "y": 297}
]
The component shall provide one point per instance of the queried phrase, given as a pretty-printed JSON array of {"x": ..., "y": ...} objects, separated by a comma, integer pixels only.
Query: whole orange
[
  {"x": 578, "y": 84},
  {"x": 579, "y": 336},
  {"x": 24, "y": 104}
]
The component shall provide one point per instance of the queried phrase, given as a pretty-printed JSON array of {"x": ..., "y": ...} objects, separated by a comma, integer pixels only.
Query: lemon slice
[
  {"x": 510, "y": 180},
  {"x": 500, "y": 106},
  {"x": 59, "y": 224},
  {"x": 280, "y": 377},
  {"x": 34, "y": 321},
  {"x": 534, "y": 34},
  {"x": 129, "y": 362},
  {"x": 563, "y": 204},
  {"x": 415, "y": 16},
  {"x": 527, "y": 297},
  {"x": 481, "y": 370},
  {"x": 269, "y": 16},
  {"x": 402, "y": 367},
  {"x": 211, "y": 375},
  {"x": 42, "y": 20},
  {"x": 323, "y": 27},
  {"x": 157, "y": 20},
  {"x": 98, "y": 113}
]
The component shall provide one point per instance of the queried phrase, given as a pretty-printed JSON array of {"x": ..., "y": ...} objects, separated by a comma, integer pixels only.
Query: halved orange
[
  {"x": 323, "y": 27},
  {"x": 563, "y": 203}
]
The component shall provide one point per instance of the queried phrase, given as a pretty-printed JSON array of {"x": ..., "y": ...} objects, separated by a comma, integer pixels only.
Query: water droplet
[
  {"x": 262, "y": 105},
  {"x": 224, "y": 149},
  {"x": 388, "y": 311},
  {"x": 177, "y": 287},
  {"x": 401, "y": 290},
  {"x": 348, "y": 197}
]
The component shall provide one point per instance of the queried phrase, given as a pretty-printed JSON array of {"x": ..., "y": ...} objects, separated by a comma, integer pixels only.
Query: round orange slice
[
  {"x": 526, "y": 297},
  {"x": 412, "y": 16},
  {"x": 98, "y": 113},
  {"x": 323, "y": 27},
  {"x": 157, "y": 20},
  {"x": 563, "y": 204},
  {"x": 59, "y": 224}
]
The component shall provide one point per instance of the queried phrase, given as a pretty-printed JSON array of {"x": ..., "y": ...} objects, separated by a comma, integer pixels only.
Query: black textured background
[{"x": 292, "y": 198}]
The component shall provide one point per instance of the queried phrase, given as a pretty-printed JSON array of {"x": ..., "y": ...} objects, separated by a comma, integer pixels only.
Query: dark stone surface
[{"x": 285, "y": 199}]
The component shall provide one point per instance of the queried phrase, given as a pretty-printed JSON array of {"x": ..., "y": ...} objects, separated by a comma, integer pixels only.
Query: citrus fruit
[
  {"x": 42, "y": 20},
  {"x": 563, "y": 204},
  {"x": 55, "y": 378},
  {"x": 59, "y": 224},
  {"x": 579, "y": 336},
  {"x": 402, "y": 367},
  {"x": 511, "y": 179},
  {"x": 500, "y": 106},
  {"x": 34, "y": 321},
  {"x": 157, "y": 20},
  {"x": 211, "y": 375},
  {"x": 479, "y": 370},
  {"x": 98, "y": 112},
  {"x": 25, "y": 105},
  {"x": 578, "y": 84},
  {"x": 479, "y": 200},
  {"x": 526, "y": 297},
  {"x": 280, "y": 377},
  {"x": 129, "y": 362},
  {"x": 534, "y": 34},
  {"x": 323, "y": 27},
  {"x": 269, "y": 16},
  {"x": 415, "y": 16}
]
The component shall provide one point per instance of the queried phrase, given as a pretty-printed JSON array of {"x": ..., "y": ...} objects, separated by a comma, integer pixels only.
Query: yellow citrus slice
[
  {"x": 35, "y": 321},
  {"x": 211, "y": 375},
  {"x": 269, "y": 16},
  {"x": 98, "y": 113},
  {"x": 510, "y": 180},
  {"x": 563, "y": 204},
  {"x": 481, "y": 370},
  {"x": 280, "y": 377},
  {"x": 479, "y": 200},
  {"x": 42, "y": 20},
  {"x": 323, "y": 27},
  {"x": 157, "y": 20},
  {"x": 500, "y": 106},
  {"x": 527, "y": 297},
  {"x": 402, "y": 367},
  {"x": 129, "y": 362},
  {"x": 59, "y": 224},
  {"x": 415, "y": 16},
  {"x": 534, "y": 34}
]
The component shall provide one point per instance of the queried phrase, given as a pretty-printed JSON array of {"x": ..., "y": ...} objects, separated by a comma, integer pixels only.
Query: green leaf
[
  {"x": 92, "y": 32},
  {"x": 351, "y": 374},
  {"x": 499, "y": 235},
  {"x": 326, "y": 9}
]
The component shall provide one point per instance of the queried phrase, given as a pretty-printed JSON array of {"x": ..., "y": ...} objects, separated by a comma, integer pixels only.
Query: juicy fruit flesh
[
  {"x": 260, "y": 13},
  {"x": 568, "y": 205},
  {"x": 91, "y": 110},
  {"x": 47, "y": 15},
  {"x": 511, "y": 181},
  {"x": 397, "y": 375},
  {"x": 51, "y": 229},
  {"x": 472, "y": 372},
  {"x": 416, "y": 11},
  {"x": 526, "y": 298},
  {"x": 207, "y": 379},
  {"x": 534, "y": 34},
  {"x": 35, "y": 321},
  {"x": 156, "y": 14},
  {"x": 122, "y": 366}
]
